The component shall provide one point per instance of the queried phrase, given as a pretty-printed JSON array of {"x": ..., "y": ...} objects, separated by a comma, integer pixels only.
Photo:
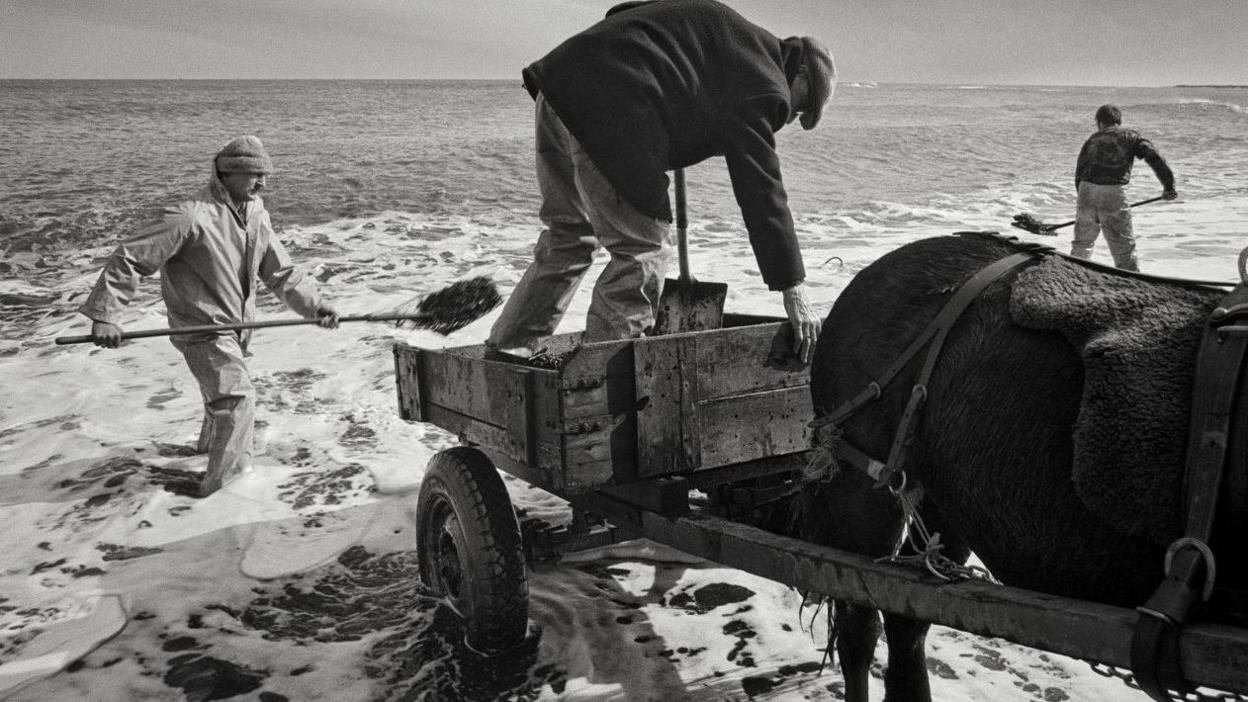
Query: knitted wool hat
[{"x": 244, "y": 155}]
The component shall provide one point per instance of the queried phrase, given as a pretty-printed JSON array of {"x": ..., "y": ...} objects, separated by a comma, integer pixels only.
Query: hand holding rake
[{"x": 1030, "y": 223}]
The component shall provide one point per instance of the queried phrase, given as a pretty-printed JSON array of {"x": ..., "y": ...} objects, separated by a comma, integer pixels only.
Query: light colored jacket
[{"x": 209, "y": 262}]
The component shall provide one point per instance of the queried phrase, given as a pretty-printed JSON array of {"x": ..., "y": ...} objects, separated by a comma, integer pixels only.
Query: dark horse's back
[{"x": 995, "y": 442}]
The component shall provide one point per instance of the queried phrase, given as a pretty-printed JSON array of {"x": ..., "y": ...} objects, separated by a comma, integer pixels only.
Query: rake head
[
  {"x": 453, "y": 307},
  {"x": 1031, "y": 224}
]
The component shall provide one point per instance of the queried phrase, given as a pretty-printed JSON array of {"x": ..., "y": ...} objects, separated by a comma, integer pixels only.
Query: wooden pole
[{"x": 1213, "y": 655}]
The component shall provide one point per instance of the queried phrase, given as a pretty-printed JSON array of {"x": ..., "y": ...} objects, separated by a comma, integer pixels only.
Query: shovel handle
[
  {"x": 1049, "y": 229},
  {"x": 682, "y": 226},
  {"x": 211, "y": 328}
]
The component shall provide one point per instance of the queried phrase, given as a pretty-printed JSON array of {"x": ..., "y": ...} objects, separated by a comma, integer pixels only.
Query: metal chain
[
  {"x": 1205, "y": 695},
  {"x": 927, "y": 547}
]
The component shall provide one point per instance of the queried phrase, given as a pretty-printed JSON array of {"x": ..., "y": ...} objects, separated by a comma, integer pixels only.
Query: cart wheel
[{"x": 470, "y": 549}]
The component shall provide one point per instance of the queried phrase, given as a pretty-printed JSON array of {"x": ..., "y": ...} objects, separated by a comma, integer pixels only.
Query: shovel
[
  {"x": 1029, "y": 223},
  {"x": 687, "y": 305},
  {"x": 445, "y": 311}
]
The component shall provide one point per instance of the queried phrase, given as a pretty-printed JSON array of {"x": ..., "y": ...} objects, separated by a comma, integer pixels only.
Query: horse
[{"x": 1038, "y": 446}]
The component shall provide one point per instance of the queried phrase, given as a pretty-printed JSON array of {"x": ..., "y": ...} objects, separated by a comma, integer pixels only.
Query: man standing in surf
[
  {"x": 1101, "y": 174},
  {"x": 210, "y": 251},
  {"x": 654, "y": 87}
]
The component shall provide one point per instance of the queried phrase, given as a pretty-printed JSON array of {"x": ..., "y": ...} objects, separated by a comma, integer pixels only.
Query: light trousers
[
  {"x": 219, "y": 366},
  {"x": 1103, "y": 209},
  {"x": 581, "y": 211}
]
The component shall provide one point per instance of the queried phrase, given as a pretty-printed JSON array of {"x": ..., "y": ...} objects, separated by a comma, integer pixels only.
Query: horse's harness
[
  {"x": 1219, "y": 399},
  {"x": 1190, "y": 569},
  {"x": 890, "y": 473}
]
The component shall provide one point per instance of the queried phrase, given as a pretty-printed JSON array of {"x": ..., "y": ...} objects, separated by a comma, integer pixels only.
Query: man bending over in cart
[{"x": 657, "y": 86}]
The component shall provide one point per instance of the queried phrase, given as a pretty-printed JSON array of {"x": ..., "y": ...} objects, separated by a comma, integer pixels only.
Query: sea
[{"x": 297, "y": 581}]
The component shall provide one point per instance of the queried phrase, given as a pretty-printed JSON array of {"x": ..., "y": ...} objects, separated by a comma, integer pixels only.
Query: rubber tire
[{"x": 469, "y": 548}]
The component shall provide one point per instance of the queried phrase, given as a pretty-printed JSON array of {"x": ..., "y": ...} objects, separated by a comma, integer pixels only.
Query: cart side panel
[
  {"x": 472, "y": 430},
  {"x": 596, "y": 359},
  {"x": 597, "y": 379},
  {"x": 407, "y": 382},
  {"x": 598, "y": 415},
  {"x": 587, "y": 399},
  {"x": 488, "y": 403},
  {"x": 598, "y": 451},
  {"x": 543, "y": 407},
  {"x": 710, "y": 399},
  {"x": 737, "y": 319},
  {"x": 748, "y": 407},
  {"x": 491, "y": 392},
  {"x": 735, "y": 362},
  {"x": 667, "y": 436},
  {"x": 754, "y": 426}
]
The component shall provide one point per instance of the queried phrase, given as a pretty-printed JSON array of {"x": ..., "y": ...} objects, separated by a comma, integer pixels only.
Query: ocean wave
[{"x": 1205, "y": 103}]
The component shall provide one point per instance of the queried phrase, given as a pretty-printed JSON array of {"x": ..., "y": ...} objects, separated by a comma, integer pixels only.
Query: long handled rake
[
  {"x": 445, "y": 311},
  {"x": 1035, "y": 226}
]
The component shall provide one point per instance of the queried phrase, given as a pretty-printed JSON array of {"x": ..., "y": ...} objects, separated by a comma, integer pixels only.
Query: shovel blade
[{"x": 687, "y": 306}]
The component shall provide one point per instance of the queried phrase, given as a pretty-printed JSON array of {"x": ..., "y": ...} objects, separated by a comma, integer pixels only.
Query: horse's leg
[
  {"x": 849, "y": 513},
  {"x": 857, "y": 630},
  {"x": 906, "y": 678}
]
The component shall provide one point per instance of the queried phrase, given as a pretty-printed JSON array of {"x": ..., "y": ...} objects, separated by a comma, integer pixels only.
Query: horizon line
[{"x": 844, "y": 83}]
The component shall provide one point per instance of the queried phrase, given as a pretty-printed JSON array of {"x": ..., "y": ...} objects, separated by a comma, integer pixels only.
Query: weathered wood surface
[
  {"x": 617, "y": 412},
  {"x": 711, "y": 399},
  {"x": 755, "y": 426},
  {"x": 668, "y": 426},
  {"x": 492, "y": 401}
]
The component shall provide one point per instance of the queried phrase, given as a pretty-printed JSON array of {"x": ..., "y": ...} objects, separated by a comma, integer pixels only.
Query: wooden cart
[{"x": 626, "y": 431}]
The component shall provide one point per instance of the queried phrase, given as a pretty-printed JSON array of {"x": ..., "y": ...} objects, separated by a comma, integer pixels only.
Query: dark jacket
[
  {"x": 1107, "y": 156},
  {"x": 664, "y": 85}
]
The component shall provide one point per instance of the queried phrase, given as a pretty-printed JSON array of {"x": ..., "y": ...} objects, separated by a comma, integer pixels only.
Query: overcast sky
[{"x": 1054, "y": 42}]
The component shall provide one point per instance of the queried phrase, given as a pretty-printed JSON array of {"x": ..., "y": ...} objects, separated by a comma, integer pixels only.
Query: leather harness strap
[
  {"x": 936, "y": 333},
  {"x": 1190, "y": 567},
  {"x": 1218, "y": 391}
]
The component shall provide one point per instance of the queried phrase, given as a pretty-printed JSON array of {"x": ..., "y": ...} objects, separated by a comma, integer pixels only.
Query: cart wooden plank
[
  {"x": 733, "y": 365},
  {"x": 771, "y": 423},
  {"x": 497, "y": 397},
  {"x": 616, "y": 412},
  {"x": 599, "y": 455},
  {"x": 710, "y": 399},
  {"x": 668, "y": 426}
]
